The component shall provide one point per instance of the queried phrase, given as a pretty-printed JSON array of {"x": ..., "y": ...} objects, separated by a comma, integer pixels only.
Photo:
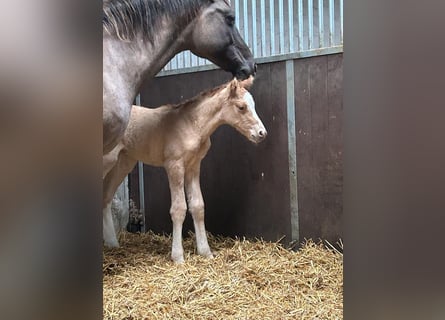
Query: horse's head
[
  {"x": 216, "y": 38},
  {"x": 239, "y": 110}
]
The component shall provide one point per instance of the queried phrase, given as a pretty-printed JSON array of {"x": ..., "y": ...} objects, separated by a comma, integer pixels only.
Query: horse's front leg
[
  {"x": 196, "y": 208},
  {"x": 178, "y": 208},
  {"x": 111, "y": 182}
]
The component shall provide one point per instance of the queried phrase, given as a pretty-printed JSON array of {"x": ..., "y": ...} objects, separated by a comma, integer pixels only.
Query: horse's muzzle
[{"x": 246, "y": 71}]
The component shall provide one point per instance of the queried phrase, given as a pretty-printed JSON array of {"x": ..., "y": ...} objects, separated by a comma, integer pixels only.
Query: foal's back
[{"x": 156, "y": 134}]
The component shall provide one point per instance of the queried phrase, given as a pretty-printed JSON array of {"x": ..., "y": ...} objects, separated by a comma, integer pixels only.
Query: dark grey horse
[{"x": 141, "y": 36}]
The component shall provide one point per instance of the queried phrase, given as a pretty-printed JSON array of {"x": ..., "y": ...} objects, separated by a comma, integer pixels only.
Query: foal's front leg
[
  {"x": 178, "y": 208},
  {"x": 196, "y": 208}
]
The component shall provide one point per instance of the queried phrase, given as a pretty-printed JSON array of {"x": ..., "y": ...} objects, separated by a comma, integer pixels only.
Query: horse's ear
[
  {"x": 247, "y": 83},
  {"x": 233, "y": 87}
]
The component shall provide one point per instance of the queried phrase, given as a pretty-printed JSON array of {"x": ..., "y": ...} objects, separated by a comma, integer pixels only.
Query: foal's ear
[
  {"x": 233, "y": 87},
  {"x": 247, "y": 83}
]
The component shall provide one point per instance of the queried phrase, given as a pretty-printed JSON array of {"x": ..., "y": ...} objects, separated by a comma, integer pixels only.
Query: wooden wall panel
[
  {"x": 318, "y": 98},
  {"x": 246, "y": 187}
]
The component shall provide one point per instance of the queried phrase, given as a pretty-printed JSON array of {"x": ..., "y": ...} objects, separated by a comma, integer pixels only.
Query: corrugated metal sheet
[{"x": 280, "y": 27}]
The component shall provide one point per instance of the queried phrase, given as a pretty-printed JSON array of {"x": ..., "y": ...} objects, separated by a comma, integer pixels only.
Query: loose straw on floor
[{"x": 246, "y": 280}]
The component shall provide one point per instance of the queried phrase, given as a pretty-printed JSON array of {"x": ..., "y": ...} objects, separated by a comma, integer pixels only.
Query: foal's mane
[
  {"x": 199, "y": 97},
  {"x": 126, "y": 18}
]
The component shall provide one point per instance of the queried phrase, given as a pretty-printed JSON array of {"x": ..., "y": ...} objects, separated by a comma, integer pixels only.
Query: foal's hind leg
[
  {"x": 178, "y": 208},
  {"x": 196, "y": 208}
]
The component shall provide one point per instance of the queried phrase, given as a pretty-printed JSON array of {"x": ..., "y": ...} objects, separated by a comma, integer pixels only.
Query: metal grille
[{"x": 280, "y": 27}]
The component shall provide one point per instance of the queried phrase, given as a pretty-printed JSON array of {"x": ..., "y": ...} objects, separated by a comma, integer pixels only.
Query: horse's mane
[
  {"x": 126, "y": 18},
  {"x": 199, "y": 97}
]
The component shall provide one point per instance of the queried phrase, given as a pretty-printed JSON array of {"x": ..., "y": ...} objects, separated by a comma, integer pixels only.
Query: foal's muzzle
[{"x": 259, "y": 136}]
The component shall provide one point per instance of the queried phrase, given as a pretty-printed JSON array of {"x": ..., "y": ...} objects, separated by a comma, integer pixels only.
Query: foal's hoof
[{"x": 206, "y": 254}]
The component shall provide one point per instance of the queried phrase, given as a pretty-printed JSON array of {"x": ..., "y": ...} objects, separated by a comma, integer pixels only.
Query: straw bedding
[{"x": 246, "y": 280}]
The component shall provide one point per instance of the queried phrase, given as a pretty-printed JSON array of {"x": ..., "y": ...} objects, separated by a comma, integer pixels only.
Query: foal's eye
[
  {"x": 241, "y": 107},
  {"x": 230, "y": 20}
]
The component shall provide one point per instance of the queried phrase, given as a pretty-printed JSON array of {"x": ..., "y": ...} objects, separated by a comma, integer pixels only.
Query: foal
[{"x": 177, "y": 137}]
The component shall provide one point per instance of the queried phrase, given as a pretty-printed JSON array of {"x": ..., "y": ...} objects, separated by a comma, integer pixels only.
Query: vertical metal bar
[
  {"x": 300, "y": 26},
  {"x": 141, "y": 180},
  {"x": 173, "y": 63},
  {"x": 341, "y": 21},
  {"x": 237, "y": 13},
  {"x": 272, "y": 27},
  {"x": 310, "y": 17},
  {"x": 141, "y": 192},
  {"x": 181, "y": 60},
  {"x": 254, "y": 31},
  {"x": 320, "y": 24},
  {"x": 290, "y": 11},
  {"x": 190, "y": 59},
  {"x": 281, "y": 26},
  {"x": 292, "y": 149},
  {"x": 331, "y": 22},
  {"x": 263, "y": 28},
  {"x": 186, "y": 58},
  {"x": 194, "y": 60},
  {"x": 245, "y": 22}
]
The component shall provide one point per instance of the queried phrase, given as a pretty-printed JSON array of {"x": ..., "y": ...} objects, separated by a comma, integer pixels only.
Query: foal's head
[{"x": 238, "y": 110}]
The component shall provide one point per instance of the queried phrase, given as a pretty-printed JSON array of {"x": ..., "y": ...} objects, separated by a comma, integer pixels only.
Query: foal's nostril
[{"x": 262, "y": 133}]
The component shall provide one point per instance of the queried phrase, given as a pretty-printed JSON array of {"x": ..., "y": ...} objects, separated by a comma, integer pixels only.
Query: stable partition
[{"x": 290, "y": 185}]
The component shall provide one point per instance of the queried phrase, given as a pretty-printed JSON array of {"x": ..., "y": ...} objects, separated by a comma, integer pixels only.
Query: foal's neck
[{"x": 206, "y": 115}]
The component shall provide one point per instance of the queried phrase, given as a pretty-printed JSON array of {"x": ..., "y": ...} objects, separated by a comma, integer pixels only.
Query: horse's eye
[
  {"x": 241, "y": 107},
  {"x": 230, "y": 20}
]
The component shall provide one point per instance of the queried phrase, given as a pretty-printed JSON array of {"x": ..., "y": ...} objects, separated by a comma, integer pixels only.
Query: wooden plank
[
  {"x": 319, "y": 147},
  {"x": 240, "y": 179},
  {"x": 303, "y": 124},
  {"x": 319, "y": 112},
  {"x": 264, "y": 171},
  {"x": 332, "y": 225}
]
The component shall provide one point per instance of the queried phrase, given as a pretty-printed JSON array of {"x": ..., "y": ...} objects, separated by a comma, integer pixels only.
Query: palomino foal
[{"x": 177, "y": 137}]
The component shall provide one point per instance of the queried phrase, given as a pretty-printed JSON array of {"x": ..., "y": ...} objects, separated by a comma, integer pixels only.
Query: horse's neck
[{"x": 129, "y": 63}]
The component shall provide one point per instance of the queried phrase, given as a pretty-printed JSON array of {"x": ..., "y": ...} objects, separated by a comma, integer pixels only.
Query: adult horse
[{"x": 141, "y": 36}]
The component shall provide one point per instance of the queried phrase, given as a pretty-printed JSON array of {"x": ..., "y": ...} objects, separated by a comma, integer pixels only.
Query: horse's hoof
[
  {"x": 111, "y": 244},
  {"x": 178, "y": 260}
]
